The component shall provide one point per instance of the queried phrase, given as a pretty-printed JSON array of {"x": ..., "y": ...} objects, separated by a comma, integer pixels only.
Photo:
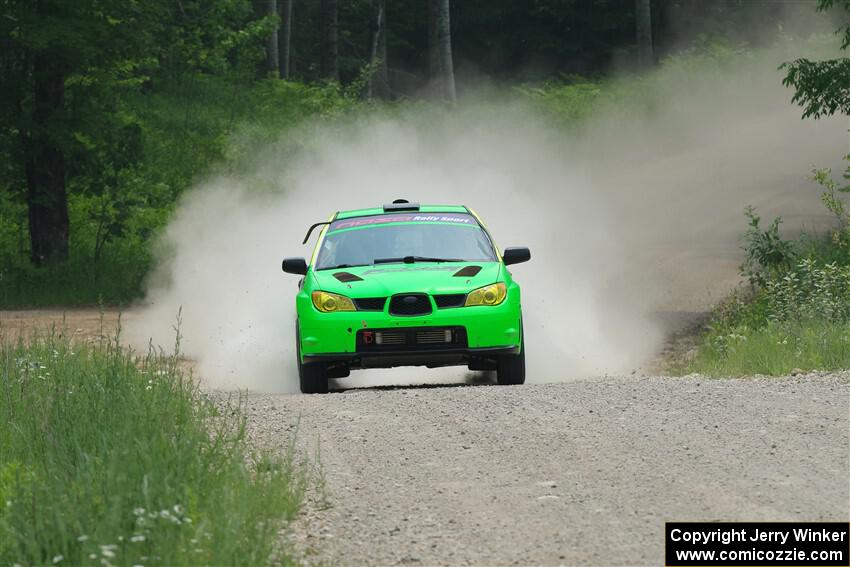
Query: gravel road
[{"x": 583, "y": 472}]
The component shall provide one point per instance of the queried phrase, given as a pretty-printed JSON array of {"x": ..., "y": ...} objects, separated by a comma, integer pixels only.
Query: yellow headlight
[
  {"x": 488, "y": 295},
  {"x": 331, "y": 302}
]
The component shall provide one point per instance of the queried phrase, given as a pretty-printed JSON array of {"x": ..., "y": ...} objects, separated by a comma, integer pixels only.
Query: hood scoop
[
  {"x": 346, "y": 277},
  {"x": 467, "y": 272}
]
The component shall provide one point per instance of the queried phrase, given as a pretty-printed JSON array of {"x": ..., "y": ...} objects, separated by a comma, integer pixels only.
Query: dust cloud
[{"x": 632, "y": 218}]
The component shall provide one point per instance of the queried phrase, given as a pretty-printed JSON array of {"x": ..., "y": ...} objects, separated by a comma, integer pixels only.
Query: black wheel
[
  {"x": 510, "y": 368},
  {"x": 312, "y": 376}
]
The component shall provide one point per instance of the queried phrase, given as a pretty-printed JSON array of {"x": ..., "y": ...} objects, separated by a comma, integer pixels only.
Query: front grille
[
  {"x": 390, "y": 338},
  {"x": 434, "y": 336},
  {"x": 370, "y": 303},
  {"x": 410, "y": 339},
  {"x": 407, "y": 304},
  {"x": 450, "y": 300}
]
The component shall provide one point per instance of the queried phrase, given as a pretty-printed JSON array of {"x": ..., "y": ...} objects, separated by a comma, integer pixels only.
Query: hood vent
[
  {"x": 346, "y": 277},
  {"x": 467, "y": 272}
]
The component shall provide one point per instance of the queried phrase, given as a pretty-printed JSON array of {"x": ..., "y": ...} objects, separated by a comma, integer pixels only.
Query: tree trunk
[
  {"x": 285, "y": 37},
  {"x": 379, "y": 78},
  {"x": 47, "y": 200},
  {"x": 444, "y": 41},
  {"x": 434, "y": 70},
  {"x": 330, "y": 43},
  {"x": 272, "y": 54},
  {"x": 643, "y": 29}
]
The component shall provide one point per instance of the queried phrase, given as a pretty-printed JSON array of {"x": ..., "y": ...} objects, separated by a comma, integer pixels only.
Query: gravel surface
[{"x": 583, "y": 472}]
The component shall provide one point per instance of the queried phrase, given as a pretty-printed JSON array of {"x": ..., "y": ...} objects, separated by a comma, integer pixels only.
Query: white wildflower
[
  {"x": 108, "y": 550},
  {"x": 58, "y": 558},
  {"x": 137, "y": 538},
  {"x": 138, "y": 511},
  {"x": 83, "y": 538}
]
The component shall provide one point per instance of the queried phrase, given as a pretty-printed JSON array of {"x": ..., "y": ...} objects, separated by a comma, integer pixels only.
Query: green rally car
[{"x": 406, "y": 285}]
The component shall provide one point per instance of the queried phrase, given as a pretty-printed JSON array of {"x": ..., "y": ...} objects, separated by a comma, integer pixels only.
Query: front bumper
[
  {"x": 477, "y": 358},
  {"x": 332, "y": 336}
]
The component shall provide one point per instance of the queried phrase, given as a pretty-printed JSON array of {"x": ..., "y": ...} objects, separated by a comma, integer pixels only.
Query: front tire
[
  {"x": 510, "y": 368},
  {"x": 312, "y": 377}
]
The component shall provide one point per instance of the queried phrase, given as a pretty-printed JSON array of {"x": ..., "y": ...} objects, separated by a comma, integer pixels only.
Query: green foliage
[
  {"x": 830, "y": 195},
  {"x": 107, "y": 457},
  {"x": 809, "y": 291},
  {"x": 822, "y": 88},
  {"x": 767, "y": 254},
  {"x": 183, "y": 131},
  {"x": 568, "y": 100}
]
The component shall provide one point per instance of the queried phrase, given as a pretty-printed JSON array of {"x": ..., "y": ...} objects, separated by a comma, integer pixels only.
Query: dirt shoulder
[{"x": 79, "y": 323}]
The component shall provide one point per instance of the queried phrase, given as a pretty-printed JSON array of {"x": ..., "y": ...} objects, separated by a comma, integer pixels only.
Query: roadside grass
[
  {"x": 777, "y": 349},
  {"x": 115, "y": 459}
]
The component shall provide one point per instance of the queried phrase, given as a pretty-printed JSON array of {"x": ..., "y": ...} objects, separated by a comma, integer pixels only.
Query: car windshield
[{"x": 400, "y": 238}]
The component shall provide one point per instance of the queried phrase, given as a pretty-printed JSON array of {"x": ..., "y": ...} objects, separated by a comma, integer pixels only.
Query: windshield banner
[{"x": 448, "y": 218}]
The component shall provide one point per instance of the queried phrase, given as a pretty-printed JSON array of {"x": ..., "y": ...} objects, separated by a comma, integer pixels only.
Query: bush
[
  {"x": 810, "y": 292},
  {"x": 113, "y": 459},
  {"x": 767, "y": 254}
]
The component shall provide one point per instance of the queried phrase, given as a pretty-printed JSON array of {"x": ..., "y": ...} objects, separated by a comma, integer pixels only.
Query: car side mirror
[
  {"x": 295, "y": 266},
  {"x": 516, "y": 255}
]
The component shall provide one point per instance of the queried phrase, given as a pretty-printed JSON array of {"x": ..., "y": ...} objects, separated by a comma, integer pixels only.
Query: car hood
[{"x": 426, "y": 277}]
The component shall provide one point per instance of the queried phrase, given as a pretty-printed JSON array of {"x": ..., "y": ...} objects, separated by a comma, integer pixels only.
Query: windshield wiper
[
  {"x": 338, "y": 266},
  {"x": 413, "y": 259}
]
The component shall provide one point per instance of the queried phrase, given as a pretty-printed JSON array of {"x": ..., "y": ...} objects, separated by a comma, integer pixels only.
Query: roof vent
[{"x": 401, "y": 205}]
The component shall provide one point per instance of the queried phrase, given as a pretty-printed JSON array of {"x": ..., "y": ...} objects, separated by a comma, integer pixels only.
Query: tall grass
[
  {"x": 107, "y": 458},
  {"x": 775, "y": 349}
]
